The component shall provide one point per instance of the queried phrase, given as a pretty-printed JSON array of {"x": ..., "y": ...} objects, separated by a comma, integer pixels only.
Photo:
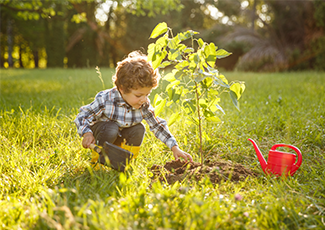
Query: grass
[{"x": 46, "y": 181}]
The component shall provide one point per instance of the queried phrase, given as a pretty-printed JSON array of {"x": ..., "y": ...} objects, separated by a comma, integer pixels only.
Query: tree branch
[{"x": 21, "y": 9}]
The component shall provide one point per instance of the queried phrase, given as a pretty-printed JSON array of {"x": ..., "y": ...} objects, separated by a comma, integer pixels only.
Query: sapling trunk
[{"x": 199, "y": 117}]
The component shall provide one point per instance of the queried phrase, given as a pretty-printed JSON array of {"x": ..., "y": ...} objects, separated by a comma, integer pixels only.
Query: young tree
[{"x": 195, "y": 83}]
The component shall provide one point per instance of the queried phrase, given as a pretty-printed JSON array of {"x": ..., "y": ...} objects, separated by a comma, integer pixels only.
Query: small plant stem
[{"x": 199, "y": 117}]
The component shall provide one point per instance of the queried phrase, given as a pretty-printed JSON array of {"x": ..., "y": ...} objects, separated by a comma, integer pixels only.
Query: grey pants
[{"x": 109, "y": 131}]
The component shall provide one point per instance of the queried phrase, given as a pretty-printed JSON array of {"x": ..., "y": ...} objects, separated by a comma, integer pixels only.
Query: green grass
[{"x": 46, "y": 181}]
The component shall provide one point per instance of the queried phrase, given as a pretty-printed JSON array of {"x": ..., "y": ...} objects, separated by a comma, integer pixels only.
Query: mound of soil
[{"x": 219, "y": 171}]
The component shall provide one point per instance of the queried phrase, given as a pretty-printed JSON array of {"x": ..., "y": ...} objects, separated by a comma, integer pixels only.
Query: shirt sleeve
[
  {"x": 158, "y": 126},
  {"x": 89, "y": 113}
]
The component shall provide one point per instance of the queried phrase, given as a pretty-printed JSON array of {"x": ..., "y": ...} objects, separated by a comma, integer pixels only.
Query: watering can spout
[{"x": 259, "y": 155}]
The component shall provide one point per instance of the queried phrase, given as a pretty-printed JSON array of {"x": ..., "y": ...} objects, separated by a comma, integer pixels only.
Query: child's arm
[
  {"x": 86, "y": 116},
  {"x": 159, "y": 127},
  {"x": 180, "y": 153}
]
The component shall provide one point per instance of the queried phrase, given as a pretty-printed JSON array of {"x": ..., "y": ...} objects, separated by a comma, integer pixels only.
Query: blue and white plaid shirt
[{"x": 110, "y": 106}]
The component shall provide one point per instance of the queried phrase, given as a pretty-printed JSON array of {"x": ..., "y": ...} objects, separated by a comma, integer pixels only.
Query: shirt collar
[{"x": 120, "y": 101}]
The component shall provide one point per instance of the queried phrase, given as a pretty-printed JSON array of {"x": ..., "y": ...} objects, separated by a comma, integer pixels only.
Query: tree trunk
[
  {"x": 36, "y": 58},
  {"x": 254, "y": 15},
  {"x": 55, "y": 47},
  {"x": 20, "y": 57},
  {"x": 10, "y": 42}
]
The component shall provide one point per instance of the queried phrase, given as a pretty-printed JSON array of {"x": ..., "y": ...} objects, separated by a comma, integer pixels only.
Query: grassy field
[{"x": 46, "y": 181}]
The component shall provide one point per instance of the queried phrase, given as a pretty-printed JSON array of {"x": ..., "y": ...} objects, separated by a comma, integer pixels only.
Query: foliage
[
  {"x": 30, "y": 10},
  {"x": 69, "y": 30},
  {"x": 193, "y": 81},
  {"x": 46, "y": 181},
  {"x": 151, "y": 8}
]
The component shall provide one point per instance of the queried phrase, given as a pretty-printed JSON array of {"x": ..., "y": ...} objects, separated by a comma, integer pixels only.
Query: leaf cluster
[{"x": 194, "y": 76}]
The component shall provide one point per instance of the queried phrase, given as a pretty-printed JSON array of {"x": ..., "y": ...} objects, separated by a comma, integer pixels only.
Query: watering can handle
[{"x": 299, "y": 161}]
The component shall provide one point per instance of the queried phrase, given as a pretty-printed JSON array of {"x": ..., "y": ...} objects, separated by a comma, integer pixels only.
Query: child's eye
[{"x": 137, "y": 96}]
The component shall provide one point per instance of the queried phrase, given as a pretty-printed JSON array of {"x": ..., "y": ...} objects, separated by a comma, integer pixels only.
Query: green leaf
[
  {"x": 178, "y": 93},
  {"x": 189, "y": 106},
  {"x": 200, "y": 42},
  {"x": 169, "y": 103},
  {"x": 188, "y": 50},
  {"x": 221, "y": 80},
  {"x": 151, "y": 51},
  {"x": 213, "y": 119},
  {"x": 194, "y": 60},
  {"x": 170, "y": 76},
  {"x": 236, "y": 88},
  {"x": 219, "y": 107},
  {"x": 182, "y": 65},
  {"x": 189, "y": 34},
  {"x": 233, "y": 97},
  {"x": 173, "y": 118},
  {"x": 162, "y": 41},
  {"x": 201, "y": 76},
  {"x": 172, "y": 84},
  {"x": 207, "y": 113},
  {"x": 242, "y": 87},
  {"x": 207, "y": 82},
  {"x": 174, "y": 54},
  {"x": 221, "y": 53},
  {"x": 213, "y": 92},
  {"x": 165, "y": 64},
  {"x": 157, "y": 58},
  {"x": 172, "y": 44},
  {"x": 159, "y": 29},
  {"x": 210, "y": 54},
  {"x": 171, "y": 93},
  {"x": 157, "y": 99},
  {"x": 181, "y": 47},
  {"x": 176, "y": 40},
  {"x": 203, "y": 103},
  {"x": 179, "y": 74},
  {"x": 215, "y": 100},
  {"x": 160, "y": 107}
]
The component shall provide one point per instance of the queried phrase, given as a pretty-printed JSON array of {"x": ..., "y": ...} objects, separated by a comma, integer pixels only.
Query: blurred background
[{"x": 263, "y": 35}]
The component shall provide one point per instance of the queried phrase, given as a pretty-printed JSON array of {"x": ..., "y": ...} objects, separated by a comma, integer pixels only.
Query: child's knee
[
  {"x": 106, "y": 131},
  {"x": 141, "y": 128},
  {"x": 134, "y": 135},
  {"x": 138, "y": 130}
]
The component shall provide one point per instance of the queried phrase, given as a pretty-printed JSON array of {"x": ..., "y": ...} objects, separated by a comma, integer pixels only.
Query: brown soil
[{"x": 219, "y": 171}]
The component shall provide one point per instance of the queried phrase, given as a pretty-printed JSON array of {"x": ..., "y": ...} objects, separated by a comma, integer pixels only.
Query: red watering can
[{"x": 279, "y": 163}]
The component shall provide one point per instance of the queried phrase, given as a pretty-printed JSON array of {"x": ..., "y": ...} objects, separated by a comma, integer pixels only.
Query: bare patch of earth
[{"x": 218, "y": 171}]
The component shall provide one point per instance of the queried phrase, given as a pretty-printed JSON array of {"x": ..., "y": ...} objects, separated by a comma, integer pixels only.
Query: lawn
[{"x": 46, "y": 181}]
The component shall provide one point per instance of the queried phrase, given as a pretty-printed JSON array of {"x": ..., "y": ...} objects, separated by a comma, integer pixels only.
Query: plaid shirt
[{"x": 110, "y": 106}]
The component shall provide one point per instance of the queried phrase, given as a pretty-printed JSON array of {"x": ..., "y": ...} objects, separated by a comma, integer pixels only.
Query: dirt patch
[{"x": 219, "y": 171}]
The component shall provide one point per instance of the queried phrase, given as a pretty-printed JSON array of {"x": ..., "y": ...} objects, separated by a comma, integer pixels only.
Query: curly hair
[{"x": 135, "y": 72}]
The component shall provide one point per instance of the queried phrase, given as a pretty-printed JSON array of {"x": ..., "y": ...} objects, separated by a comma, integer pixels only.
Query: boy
[{"x": 115, "y": 115}]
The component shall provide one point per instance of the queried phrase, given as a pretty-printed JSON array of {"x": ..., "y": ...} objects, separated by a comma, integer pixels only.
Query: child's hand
[
  {"x": 88, "y": 138},
  {"x": 179, "y": 153}
]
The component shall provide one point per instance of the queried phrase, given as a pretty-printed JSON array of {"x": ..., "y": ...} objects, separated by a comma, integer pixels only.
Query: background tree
[
  {"x": 284, "y": 39},
  {"x": 261, "y": 34}
]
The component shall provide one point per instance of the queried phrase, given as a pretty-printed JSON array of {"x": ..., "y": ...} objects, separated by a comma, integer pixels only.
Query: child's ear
[{"x": 120, "y": 88}]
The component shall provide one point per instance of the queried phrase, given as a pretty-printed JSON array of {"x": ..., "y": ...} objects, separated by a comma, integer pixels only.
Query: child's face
[{"x": 136, "y": 97}]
